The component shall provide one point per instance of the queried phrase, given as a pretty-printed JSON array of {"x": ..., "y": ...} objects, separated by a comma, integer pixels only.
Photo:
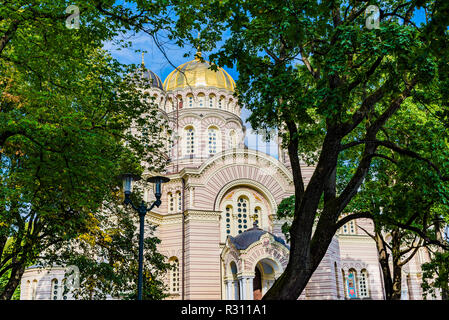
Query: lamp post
[{"x": 142, "y": 210}]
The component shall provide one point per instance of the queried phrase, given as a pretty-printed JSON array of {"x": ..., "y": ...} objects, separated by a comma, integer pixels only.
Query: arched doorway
[{"x": 257, "y": 284}]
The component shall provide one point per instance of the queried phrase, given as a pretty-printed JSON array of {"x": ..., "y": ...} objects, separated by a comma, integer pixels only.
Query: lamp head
[
  {"x": 158, "y": 181},
  {"x": 128, "y": 179}
]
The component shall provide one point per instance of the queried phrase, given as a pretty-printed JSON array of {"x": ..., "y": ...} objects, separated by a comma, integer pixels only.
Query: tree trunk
[
  {"x": 383, "y": 256},
  {"x": 397, "y": 266},
  {"x": 397, "y": 283},
  {"x": 297, "y": 273},
  {"x": 305, "y": 252},
  {"x": 13, "y": 282}
]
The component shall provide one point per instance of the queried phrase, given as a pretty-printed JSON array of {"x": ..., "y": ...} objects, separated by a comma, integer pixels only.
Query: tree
[
  {"x": 313, "y": 70},
  {"x": 436, "y": 276},
  {"x": 65, "y": 111},
  {"x": 402, "y": 197},
  {"x": 107, "y": 255}
]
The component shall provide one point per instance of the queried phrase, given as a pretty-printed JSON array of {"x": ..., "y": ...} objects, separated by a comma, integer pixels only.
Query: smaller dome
[
  {"x": 150, "y": 76},
  {"x": 245, "y": 239}
]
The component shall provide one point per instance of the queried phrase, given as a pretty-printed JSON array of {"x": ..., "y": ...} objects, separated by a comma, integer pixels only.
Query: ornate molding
[{"x": 202, "y": 216}]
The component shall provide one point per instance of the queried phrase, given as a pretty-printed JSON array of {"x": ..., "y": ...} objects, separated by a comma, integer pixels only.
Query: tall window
[
  {"x": 345, "y": 287},
  {"x": 363, "y": 284},
  {"x": 179, "y": 200},
  {"x": 64, "y": 289},
  {"x": 190, "y": 140},
  {"x": 220, "y": 103},
  {"x": 190, "y": 101},
  {"x": 349, "y": 228},
  {"x": 171, "y": 144},
  {"x": 228, "y": 217},
  {"x": 240, "y": 209},
  {"x": 231, "y": 105},
  {"x": 232, "y": 139},
  {"x": 211, "y": 101},
  {"x": 170, "y": 106},
  {"x": 55, "y": 289},
  {"x": 352, "y": 227},
  {"x": 201, "y": 99},
  {"x": 242, "y": 214},
  {"x": 257, "y": 216},
  {"x": 212, "y": 142},
  {"x": 174, "y": 276},
  {"x": 171, "y": 202},
  {"x": 337, "y": 286},
  {"x": 351, "y": 284},
  {"x": 34, "y": 289},
  {"x": 29, "y": 292}
]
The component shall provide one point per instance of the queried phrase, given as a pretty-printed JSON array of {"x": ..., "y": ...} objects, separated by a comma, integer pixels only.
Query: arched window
[
  {"x": 190, "y": 140},
  {"x": 242, "y": 214},
  {"x": 34, "y": 290},
  {"x": 64, "y": 289},
  {"x": 240, "y": 209},
  {"x": 55, "y": 294},
  {"x": 230, "y": 105},
  {"x": 232, "y": 139},
  {"x": 337, "y": 286},
  {"x": 349, "y": 228},
  {"x": 228, "y": 221},
  {"x": 171, "y": 145},
  {"x": 211, "y": 101},
  {"x": 179, "y": 201},
  {"x": 174, "y": 276},
  {"x": 201, "y": 100},
  {"x": 351, "y": 284},
  {"x": 29, "y": 292},
  {"x": 363, "y": 284},
  {"x": 179, "y": 101},
  {"x": 171, "y": 202},
  {"x": 190, "y": 101},
  {"x": 352, "y": 227},
  {"x": 170, "y": 106},
  {"x": 212, "y": 133},
  {"x": 256, "y": 216},
  {"x": 221, "y": 102},
  {"x": 345, "y": 289}
]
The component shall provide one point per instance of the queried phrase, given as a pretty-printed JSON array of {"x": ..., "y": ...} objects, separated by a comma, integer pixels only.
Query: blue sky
[{"x": 155, "y": 61}]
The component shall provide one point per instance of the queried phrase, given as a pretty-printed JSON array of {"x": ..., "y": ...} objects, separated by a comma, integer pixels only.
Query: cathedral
[{"x": 217, "y": 222}]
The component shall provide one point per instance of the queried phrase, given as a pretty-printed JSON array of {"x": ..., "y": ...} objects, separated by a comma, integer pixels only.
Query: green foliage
[
  {"x": 339, "y": 93},
  {"x": 3, "y": 283},
  {"x": 435, "y": 276},
  {"x": 66, "y": 109},
  {"x": 107, "y": 256},
  {"x": 286, "y": 210}
]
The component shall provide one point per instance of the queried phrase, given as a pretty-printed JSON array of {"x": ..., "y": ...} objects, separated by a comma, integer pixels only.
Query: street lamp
[{"x": 142, "y": 209}]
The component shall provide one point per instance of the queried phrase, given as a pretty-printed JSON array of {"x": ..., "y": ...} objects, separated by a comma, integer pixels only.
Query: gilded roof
[{"x": 196, "y": 74}]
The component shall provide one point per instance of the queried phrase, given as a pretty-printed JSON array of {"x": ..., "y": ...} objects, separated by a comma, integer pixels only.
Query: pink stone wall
[{"x": 203, "y": 277}]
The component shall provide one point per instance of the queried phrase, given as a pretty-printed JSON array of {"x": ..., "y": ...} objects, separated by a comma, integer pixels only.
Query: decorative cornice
[{"x": 202, "y": 216}]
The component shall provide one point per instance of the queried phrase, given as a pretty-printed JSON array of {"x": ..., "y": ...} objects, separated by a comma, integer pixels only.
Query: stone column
[
  {"x": 236, "y": 290},
  {"x": 242, "y": 288},
  {"x": 229, "y": 289},
  {"x": 250, "y": 288},
  {"x": 246, "y": 287}
]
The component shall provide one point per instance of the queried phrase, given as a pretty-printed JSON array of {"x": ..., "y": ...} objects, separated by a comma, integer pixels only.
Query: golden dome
[{"x": 196, "y": 74}]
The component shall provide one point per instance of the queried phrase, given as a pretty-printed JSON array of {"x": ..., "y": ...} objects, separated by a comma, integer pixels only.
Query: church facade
[{"x": 217, "y": 222}]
